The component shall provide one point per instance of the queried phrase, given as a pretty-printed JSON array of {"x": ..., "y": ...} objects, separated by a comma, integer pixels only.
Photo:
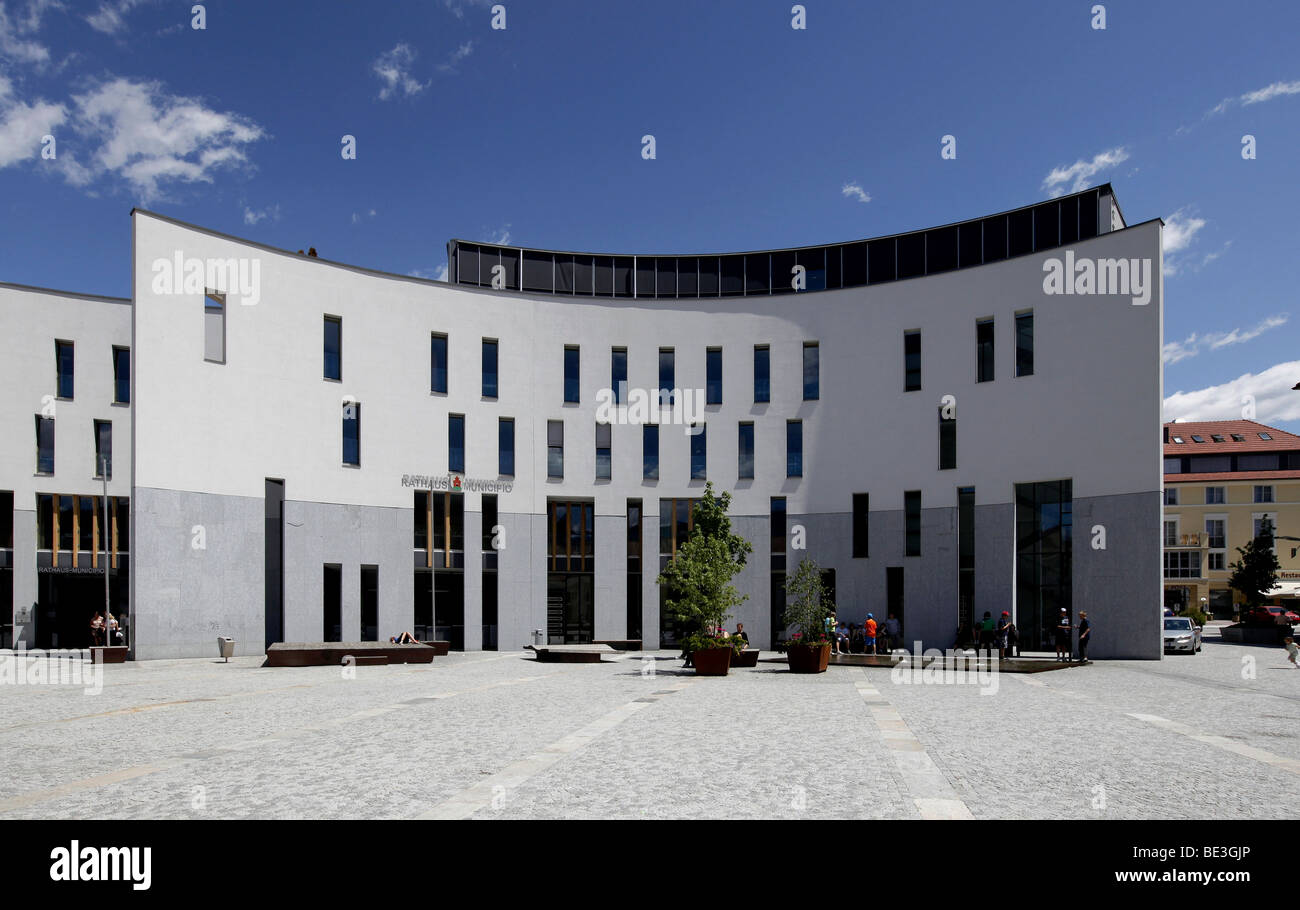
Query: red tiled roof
[
  {"x": 1282, "y": 441},
  {"x": 1226, "y": 476}
]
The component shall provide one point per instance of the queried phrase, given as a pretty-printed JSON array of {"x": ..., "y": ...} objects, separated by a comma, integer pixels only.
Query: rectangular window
[
  {"x": 489, "y": 368},
  {"x": 811, "y": 371},
  {"x": 912, "y": 508},
  {"x": 333, "y": 347},
  {"x": 604, "y": 451},
  {"x": 1171, "y": 496},
  {"x": 370, "y": 603},
  {"x": 571, "y": 373},
  {"x": 778, "y": 523},
  {"x": 1171, "y": 534},
  {"x": 489, "y": 523},
  {"x": 762, "y": 373},
  {"x": 352, "y": 433},
  {"x": 456, "y": 443},
  {"x": 650, "y": 451},
  {"x": 1025, "y": 344},
  {"x": 713, "y": 382},
  {"x": 1217, "y": 562},
  {"x": 1183, "y": 564},
  {"x": 667, "y": 375},
  {"x": 911, "y": 361},
  {"x": 64, "y": 364},
  {"x": 634, "y": 569},
  {"x": 861, "y": 505},
  {"x": 214, "y": 327},
  {"x": 984, "y": 350},
  {"x": 794, "y": 448},
  {"x": 555, "y": 448},
  {"x": 699, "y": 451},
  {"x": 1263, "y": 524},
  {"x": 947, "y": 441},
  {"x": 1214, "y": 496},
  {"x": 104, "y": 448},
  {"x": 1263, "y": 493},
  {"x": 121, "y": 375},
  {"x": 745, "y": 468},
  {"x": 618, "y": 374},
  {"x": 44, "y": 445},
  {"x": 506, "y": 446},
  {"x": 438, "y": 363},
  {"x": 1215, "y": 533}
]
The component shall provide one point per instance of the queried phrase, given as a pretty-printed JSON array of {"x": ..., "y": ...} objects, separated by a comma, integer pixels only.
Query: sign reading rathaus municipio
[{"x": 454, "y": 483}]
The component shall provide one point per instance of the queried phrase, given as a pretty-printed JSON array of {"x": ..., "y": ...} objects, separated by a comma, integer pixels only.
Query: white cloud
[
  {"x": 22, "y": 126},
  {"x": 457, "y": 55},
  {"x": 1195, "y": 343},
  {"x": 854, "y": 190},
  {"x": 438, "y": 274},
  {"x": 270, "y": 213},
  {"x": 457, "y": 7},
  {"x": 393, "y": 69},
  {"x": 1269, "y": 92},
  {"x": 501, "y": 237},
  {"x": 357, "y": 217},
  {"x": 149, "y": 138},
  {"x": 1271, "y": 391},
  {"x": 1079, "y": 173},
  {"x": 16, "y": 41},
  {"x": 1181, "y": 229},
  {"x": 110, "y": 18}
]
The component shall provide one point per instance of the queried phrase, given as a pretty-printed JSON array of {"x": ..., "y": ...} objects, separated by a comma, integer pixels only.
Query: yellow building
[{"x": 1222, "y": 479}]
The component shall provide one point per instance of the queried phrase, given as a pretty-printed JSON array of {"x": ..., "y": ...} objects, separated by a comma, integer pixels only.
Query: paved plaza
[{"x": 498, "y": 735}]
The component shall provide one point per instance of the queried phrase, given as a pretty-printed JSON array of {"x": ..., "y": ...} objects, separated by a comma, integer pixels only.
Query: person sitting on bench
[{"x": 406, "y": 638}]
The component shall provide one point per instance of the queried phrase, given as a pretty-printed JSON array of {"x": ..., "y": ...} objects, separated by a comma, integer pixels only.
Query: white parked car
[{"x": 1181, "y": 634}]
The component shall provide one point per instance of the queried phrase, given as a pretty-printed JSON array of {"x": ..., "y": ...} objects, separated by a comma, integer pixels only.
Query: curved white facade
[{"x": 208, "y": 435}]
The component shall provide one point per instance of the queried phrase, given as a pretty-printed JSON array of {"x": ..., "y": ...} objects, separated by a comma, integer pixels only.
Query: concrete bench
[
  {"x": 324, "y": 654},
  {"x": 621, "y": 644},
  {"x": 571, "y": 654}
]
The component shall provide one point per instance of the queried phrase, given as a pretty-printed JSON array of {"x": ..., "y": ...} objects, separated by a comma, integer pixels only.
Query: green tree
[
  {"x": 697, "y": 582},
  {"x": 808, "y": 600},
  {"x": 1256, "y": 571}
]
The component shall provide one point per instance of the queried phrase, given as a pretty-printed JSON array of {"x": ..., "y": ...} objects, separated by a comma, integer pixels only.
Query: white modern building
[{"x": 950, "y": 421}]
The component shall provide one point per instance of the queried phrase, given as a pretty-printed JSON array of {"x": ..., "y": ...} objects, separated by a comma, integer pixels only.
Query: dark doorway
[
  {"x": 778, "y": 607},
  {"x": 273, "y": 561},
  {"x": 332, "y": 603},
  {"x": 449, "y": 608},
  {"x": 67, "y": 601},
  {"x": 894, "y": 596},
  {"x": 370, "y": 603},
  {"x": 422, "y": 610},
  {"x": 571, "y": 608}
]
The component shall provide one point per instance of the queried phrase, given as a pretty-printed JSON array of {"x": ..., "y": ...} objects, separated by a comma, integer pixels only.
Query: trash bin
[
  {"x": 539, "y": 638},
  {"x": 225, "y": 647}
]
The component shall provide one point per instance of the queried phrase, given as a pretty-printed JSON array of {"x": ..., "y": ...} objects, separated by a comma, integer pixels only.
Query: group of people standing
[
  {"x": 1003, "y": 635},
  {"x": 109, "y": 632},
  {"x": 871, "y": 637}
]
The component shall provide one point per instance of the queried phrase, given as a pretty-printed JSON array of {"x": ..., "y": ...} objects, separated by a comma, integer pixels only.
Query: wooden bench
[
  {"x": 621, "y": 644},
  {"x": 571, "y": 654},
  {"x": 108, "y": 654},
  {"x": 440, "y": 648},
  {"x": 366, "y": 660},
  {"x": 324, "y": 654}
]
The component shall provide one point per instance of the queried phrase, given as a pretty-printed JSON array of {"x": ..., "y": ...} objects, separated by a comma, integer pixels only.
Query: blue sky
[{"x": 766, "y": 136}]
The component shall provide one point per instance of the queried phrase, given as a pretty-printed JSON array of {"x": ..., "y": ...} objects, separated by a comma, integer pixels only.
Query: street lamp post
[{"x": 103, "y": 531}]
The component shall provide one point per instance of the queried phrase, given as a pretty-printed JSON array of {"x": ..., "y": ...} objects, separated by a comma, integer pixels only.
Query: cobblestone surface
[{"x": 640, "y": 738}]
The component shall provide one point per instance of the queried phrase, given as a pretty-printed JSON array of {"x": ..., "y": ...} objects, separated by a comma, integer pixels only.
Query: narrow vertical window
[
  {"x": 604, "y": 451},
  {"x": 571, "y": 373},
  {"x": 333, "y": 347},
  {"x": 456, "y": 443},
  {"x": 438, "y": 363},
  {"x": 214, "y": 327},
  {"x": 794, "y": 448},
  {"x": 713, "y": 379},
  {"x": 618, "y": 374},
  {"x": 370, "y": 603},
  {"x": 912, "y": 508},
  {"x": 352, "y": 433},
  {"x": 778, "y": 523},
  {"x": 121, "y": 375},
  {"x": 555, "y": 448},
  {"x": 1025, "y": 344},
  {"x": 63, "y": 364},
  {"x": 947, "y": 441},
  {"x": 984, "y": 350},
  {"x": 911, "y": 361},
  {"x": 667, "y": 376},
  {"x": 699, "y": 451},
  {"x": 44, "y": 445},
  {"x": 650, "y": 451},
  {"x": 506, "y": 446},
  {"x": 332, "y": 602},
  {"x": 811, "y": 371},
  {"x": 745, "y": 467},
  {"x": 861, "y": 513},
  {"x": 489, "y": 368},
  {"x": 104, "y": 449},
  {"x": 762, "y": 373}
]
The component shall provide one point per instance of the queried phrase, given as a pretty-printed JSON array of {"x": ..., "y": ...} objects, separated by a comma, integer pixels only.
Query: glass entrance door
[{"x": 571, "y": 608}]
